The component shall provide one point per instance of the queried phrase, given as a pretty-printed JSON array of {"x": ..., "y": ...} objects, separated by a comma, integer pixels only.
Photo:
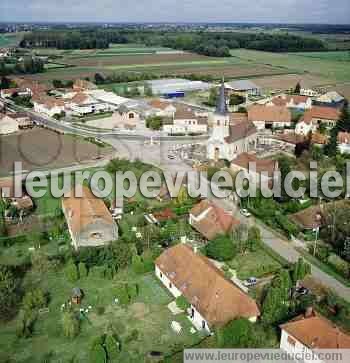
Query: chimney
[{"x": 309, "y": 312}]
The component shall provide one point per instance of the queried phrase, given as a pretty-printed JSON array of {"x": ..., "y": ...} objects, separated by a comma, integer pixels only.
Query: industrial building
[{"x": 176, "y": 87}]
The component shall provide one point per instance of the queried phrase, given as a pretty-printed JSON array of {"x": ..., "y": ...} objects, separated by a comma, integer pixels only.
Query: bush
[
  {"x": 132, "y": 337},
  {"x": 83, "y": 271},
  {"x": 122, "y": 295},
  {"x": 34, "y": 299},
  {"x": 70, "y": 325},
  {"x": 71, "y": 272},
  {"x": 339, "y": 264},
  {"x": 236, "y": 334},
  {"x": 100, "y": 310},
  {"x": 182, "y": 303},
  {"x": 112, "y": 347},
  {"x": 98, "y": 354},
  {"x": 132, "y": 290},
  {"x": 221, "y": 248}
]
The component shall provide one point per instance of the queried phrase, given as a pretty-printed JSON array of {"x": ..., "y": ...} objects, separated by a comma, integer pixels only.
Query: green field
[
  {"x": 10, "y": 39},
  {"x": 340, "y": 56},
  {"x": 331, "y": 68}
]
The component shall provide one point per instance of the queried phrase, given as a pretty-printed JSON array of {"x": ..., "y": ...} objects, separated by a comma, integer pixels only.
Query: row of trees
[
  {"x": 26, "y": 65},
  {"x": 211, "y": 44}
]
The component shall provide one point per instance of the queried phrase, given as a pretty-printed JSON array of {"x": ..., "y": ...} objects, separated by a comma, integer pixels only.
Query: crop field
[
  {"x": 340, "y": 56},
  {"x": 41, "y": 149},
  {"x": 10, "y": 39},
  {"x": 332, "y": 69}
]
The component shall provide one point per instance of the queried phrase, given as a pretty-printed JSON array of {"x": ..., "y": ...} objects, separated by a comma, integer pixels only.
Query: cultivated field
[
  {"x": 41, "y": 149},
  {"x": 332, "y": 69},
  {"x": 10, "y": 39},
  {"x": 287, "y": 81}
]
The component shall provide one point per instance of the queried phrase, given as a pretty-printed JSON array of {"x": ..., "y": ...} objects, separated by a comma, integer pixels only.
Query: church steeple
[{"x": 221, "y": 106}]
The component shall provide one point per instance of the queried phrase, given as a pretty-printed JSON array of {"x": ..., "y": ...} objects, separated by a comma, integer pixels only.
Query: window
[
  {"x": 203, "y": 324},
  {"x": 161, "y": 275},
  {"x": 96, "y": 235},
  {"x": 170, "y": 285},
  {"x": 291, "y": 341},
  {"x": 131, "y": 115}
]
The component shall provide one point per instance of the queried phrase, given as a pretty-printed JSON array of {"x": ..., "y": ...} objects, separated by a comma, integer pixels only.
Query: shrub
[
  {"x": 133, "y": 336},
  {"x": 122, "y": 295},
  {"x": 71, "y": 272},
  {"x": 182, "y": 303},
  {"x": 236, "y": 334},
  {"x": 98, "y": 354},
  {"x": 34, "y": 299},
  {"x": 221, "y": 248},
  {"x": 100, "y": 310},
  {"x": 112, "y": 347},
  {"x": 70, "y": 325},
  {"x": 339, "y": 264},
  {"x": 83, "y": 271},
  {"x": 132, "y": 290}
]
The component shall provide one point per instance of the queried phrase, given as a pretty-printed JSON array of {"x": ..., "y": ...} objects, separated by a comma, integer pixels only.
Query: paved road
[
  {"x": 157, "y": 155},
  {"x": 134, "y": 146}
]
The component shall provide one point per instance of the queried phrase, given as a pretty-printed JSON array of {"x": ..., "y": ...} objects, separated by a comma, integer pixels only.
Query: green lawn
[
  {"x": 331, "y": 67},
  {"x": 257, "y": 264},
  {"x": 148, "y": 314}
]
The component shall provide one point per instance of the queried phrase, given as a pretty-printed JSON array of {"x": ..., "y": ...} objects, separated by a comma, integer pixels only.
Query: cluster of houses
[{"x": 12, "y": 122}]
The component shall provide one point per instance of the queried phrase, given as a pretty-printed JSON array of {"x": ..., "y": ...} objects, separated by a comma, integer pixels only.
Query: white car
[
  {"x": 250, "y": 282},
  {"x": 245, "y": 213}
]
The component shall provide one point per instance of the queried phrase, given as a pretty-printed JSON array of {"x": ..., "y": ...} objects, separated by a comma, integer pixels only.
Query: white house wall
[{"x": 298, "y": 348}]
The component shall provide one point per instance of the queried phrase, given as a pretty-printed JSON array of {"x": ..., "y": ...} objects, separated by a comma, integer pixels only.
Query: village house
[
  {"x": 344, "y": 142},
  {"x": 10, "y": 92},
  {"x": 330, "y": 99},
  {"x": 89, "y": 221},
  {"x": 24, "y": 121},
  {"x": 186, "y": 121},
  {"x": 163, "y": 108},
  {"x": 230, "y": 135},
  {"x": 310, "y": 218},
  {"x": 294, "y": 102},
  {"x": 316, "y": 116},
  {"x": 83, "y": 104},
  {"x": 34, "y": 87},
  {"x": 8, "y": 125},
  {"x": 309, "y": 92},
  {"x": 22, "y": 202},
  {"x": 310, "y": 332},
  {"x": 123, "y": 119},
  {"x": 210, "y": 220},
  {"x": 48, "y": 105},
  {"x": 264, "y": 168},
  {"x": 214, "y": 300},
  {"x": 269, "y": 117}
]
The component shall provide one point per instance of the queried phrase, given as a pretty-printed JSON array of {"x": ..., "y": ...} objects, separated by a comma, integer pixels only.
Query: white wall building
[
  {"x": 309, "y": 333},
  {"x": 8, "y": 125},
  {"x": 213, "y": 300}
]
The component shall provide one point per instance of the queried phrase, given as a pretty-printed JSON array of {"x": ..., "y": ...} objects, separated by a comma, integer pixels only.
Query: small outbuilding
[{"x": 77, "y": 295}]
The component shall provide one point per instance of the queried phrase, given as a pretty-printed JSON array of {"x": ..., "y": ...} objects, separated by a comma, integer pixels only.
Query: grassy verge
[{"x": 322, "y": 266}]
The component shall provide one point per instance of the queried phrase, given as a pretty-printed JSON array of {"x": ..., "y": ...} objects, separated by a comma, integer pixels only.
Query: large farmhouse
[
  {"x": 214, "y": 300},
  {"x": 269, "y": 117},
  {"x": 89, "y": 221}
]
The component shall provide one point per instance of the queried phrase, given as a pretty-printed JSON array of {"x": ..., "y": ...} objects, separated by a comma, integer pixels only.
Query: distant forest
[{"x": 211, "y": 44}]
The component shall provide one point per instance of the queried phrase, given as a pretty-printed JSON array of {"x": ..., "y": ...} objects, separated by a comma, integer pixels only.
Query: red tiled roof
[
  {"x": 319, "y": 112},
  {"x": 269, "y": 113},
  {"x": 215, "y": 221},
  {"x": 262, "y": 165},
  {"x": 317, "y": 332},
  {"x": 204, "y": 286}
]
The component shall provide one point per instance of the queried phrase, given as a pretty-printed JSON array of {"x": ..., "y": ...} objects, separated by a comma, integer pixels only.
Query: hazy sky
[{"x": 292, "y": 11}]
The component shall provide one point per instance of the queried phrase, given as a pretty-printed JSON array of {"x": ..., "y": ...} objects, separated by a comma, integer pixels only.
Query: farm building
[
  {"x": 8, "y": 125},
  {"x": 330, "y": 99},
  {"x": 295, "y": 102},
  {"x": 186, "y": 121},
  {"x": 214, "y": 300},
  {"x": 318, "y": 115},
  {"x": 169, "y": 86},
  {"x": 89, "y": 221},
  {"x": 269, "y": 117},
  {"x": 243, "y": 88}
]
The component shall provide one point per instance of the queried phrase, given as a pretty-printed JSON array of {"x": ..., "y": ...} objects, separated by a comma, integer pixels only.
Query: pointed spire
[{"x": 221, "y": 106}]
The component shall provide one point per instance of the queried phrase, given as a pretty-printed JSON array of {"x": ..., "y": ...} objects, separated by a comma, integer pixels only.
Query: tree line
[{"x": 210, "y": 44}]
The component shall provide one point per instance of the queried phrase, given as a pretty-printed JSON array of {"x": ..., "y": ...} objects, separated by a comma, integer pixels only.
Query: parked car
[
  {"x": 301, "y": 290},
  {"x": 245, "y": 213},
  {"x": 250, "y": 282}
]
